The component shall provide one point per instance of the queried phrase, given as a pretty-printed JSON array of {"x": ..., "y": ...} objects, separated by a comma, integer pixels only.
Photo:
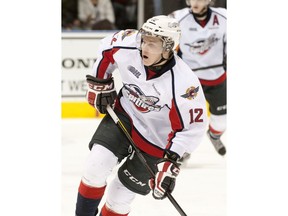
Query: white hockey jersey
[
  {"x": 168, "y": 108},
  {"x": 203, "y": 47}
]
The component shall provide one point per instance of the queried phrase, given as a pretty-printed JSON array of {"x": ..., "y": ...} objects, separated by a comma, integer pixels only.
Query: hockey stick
[{"x": 141, "y": 157}]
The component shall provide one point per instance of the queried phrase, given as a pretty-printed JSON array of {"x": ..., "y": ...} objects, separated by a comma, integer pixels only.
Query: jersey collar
[{"x": 154, "y": 72}]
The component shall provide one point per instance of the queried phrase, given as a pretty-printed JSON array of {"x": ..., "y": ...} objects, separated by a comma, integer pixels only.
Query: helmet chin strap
[
  {"x": 158, "y": 62},
  {"x": 155, "y": 66}
]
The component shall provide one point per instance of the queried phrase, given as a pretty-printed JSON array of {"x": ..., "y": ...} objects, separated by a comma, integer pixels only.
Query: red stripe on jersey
[
  {"x": 105, "y": 61},
  {"x": 175, "y": 118},
  {"x": 105, "y": 211},
  {"x": 145, "y": 146},
  {"x": 213, "y": 82},
  {"x": 176, "y": 123},
  {"x": 170, "y": 137},
  {"x": 91, "y": 192}
]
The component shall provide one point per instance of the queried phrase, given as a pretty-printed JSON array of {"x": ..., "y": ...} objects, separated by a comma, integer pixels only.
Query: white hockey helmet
[
  {"x": 188, "y": 2},
  {"x": 167, "y": 28}
]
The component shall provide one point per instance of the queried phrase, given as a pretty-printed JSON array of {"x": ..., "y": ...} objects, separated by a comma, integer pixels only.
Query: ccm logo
[
  {"x": 101, "y": 87},
  {"x": 133, "y": 179}
]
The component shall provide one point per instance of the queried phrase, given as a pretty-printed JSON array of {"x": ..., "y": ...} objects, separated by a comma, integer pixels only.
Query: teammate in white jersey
[
  {"x": 161, "y": 104},
  {"x": 203, "y": 48}
]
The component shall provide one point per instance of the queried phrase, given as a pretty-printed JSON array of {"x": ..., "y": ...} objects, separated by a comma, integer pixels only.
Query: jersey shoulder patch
[{"x": 125, "y": 38}]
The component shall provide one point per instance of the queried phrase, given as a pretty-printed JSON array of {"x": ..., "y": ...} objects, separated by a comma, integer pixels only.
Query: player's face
[
  {"x": 199, "y": 6},
  {"x": 152, "y": 48}
]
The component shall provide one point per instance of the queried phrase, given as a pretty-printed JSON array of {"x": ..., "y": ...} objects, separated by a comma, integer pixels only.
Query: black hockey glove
[
  {"x": 100, "y": 93},
  {"x": 165, "y": 178}
]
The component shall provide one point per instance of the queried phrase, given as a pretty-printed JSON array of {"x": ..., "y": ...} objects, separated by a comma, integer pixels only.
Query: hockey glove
[
  {"x": 100, "y": 93},
  {"x": 165, "y": 178}
]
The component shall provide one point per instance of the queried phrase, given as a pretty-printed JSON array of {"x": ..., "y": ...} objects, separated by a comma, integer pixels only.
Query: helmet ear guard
[{"x": 169, "y": 47}]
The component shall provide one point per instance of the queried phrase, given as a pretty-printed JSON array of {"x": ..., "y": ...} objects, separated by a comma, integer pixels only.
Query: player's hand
[
  {"x": 100, "y": 93},
  {"x": 165, "y": 178}
]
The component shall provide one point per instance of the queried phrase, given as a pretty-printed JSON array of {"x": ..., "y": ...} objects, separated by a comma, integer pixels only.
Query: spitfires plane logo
[
  {"x": 201, "y": 46},
  {"x": 142, "y": 102},
  {"x": 191, "y": 93}
]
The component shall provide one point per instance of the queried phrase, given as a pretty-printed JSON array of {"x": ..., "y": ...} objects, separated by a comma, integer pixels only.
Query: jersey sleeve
[
  {"x": 188, "y": 114},
  {"x": 105, "y": 63}
]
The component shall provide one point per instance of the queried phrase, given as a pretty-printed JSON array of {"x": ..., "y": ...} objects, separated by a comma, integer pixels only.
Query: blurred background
[{"x": 117, "y": 14}]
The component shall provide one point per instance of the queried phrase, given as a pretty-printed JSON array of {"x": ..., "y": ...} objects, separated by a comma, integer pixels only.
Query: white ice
[{"x": 200, "y": 187}]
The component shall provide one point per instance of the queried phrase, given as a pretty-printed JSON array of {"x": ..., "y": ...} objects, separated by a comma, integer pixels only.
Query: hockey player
[
  {"x": 203, "y": 48},
  {"x": 161, "y": 104}
]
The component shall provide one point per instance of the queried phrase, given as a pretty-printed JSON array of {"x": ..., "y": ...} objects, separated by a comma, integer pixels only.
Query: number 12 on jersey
[{"x": 196, "y": 115}]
